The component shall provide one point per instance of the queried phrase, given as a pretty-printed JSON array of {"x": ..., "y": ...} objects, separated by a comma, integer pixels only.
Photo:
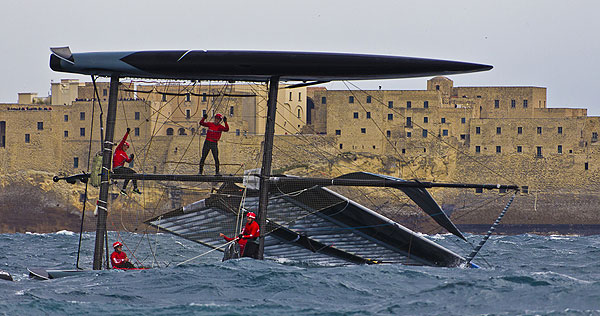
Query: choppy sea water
[{"x": 520, "y": 275}]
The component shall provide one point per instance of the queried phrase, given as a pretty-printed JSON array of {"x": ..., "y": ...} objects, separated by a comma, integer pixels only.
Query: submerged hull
[{"x": 47, "y": 274}]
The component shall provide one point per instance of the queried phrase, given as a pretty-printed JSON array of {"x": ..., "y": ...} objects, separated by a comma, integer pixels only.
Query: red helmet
[
  {"x": 251, "y": 215},
  {"x": 219, "y": 116},
  {"x": 117, "y": 244},
  {"x": 126, "y": 144}
]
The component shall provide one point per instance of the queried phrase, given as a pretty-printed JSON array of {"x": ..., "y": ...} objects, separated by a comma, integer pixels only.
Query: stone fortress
[{"x": 444, "y": 133}]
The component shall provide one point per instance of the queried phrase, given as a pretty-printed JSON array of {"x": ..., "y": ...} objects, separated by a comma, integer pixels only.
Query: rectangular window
[
  {"x": 27, "y": 138},
  {"x": 368, "y": 99},
  {"x": 82, "y": 131},
  {"x": 559, "y": 149},
  {"x": 586, "y": 166},
  {"x": 338, "y": 132},
  {"x": 164, "y": 98},
  {"x": 478, "y": 190},
  {"x": 104, "y": 92},
  {"x": 525, "y": 104},
  {"x": 496, "y": 104},
  {"x": 525, "y": 189},
  {"x": 75, "y": 162},
  {"x": 204, "y": 97},
  {"x": 66, "y": 119},
  {"x": 425, "y": 119},
  {"x": 40, "y": 126},
  {"x": 443, "y": 120},
  {"x": 513, "y": 104},
  {"x": 463, "y": 120},
  {"x": 424, "y": 133},
  {"x": 363, "y": 130},
  {"x": 498, "y": 149},
  {"x": 290, "y": 96},
  {"x": 136, "y": 131},
  {"x": 498, "y": 130},
  {"x": 477, "y": 149},
  {"x": 539, "y": 130},
  {"x": 203, "y": 112},
  {"x": 390, "y": 117},
  {"x": 388, "y": 133},
  {"x": 594, "y": 137},
  {"x": 477, "y": 130},
  {"x": 323, "y": 100},
  {"x": 299, "y": 96},
  {"x": 136, "y": 116},
  {"x": 188, "y": 114},
  {"x": 66, "y": 134},
  {"x": 408, "y": 134},
  {"x": 408, "y": 104},
  {"x": 538, "y": 151},
  {"x": 426, "y": 104},
  {"x": 82, "y": 116},
  {"x": 368, "y": 115},
  {"x": 519, "y": 130},
  {"x": 2, "y": 134},
  {"x": 408, "y": 121},
  {"x": 351, "y": 99},
  {"x": 188, "y": 97},
  {"x": 390, "y": 104},
  {"x": 355, "y": 115},
  {"x": 237, "y": 132},
  {"x": 341, "y": 146},
  {"x": 519, "y": 149},
  {"x": 403, "y": 150},
  {"x": 444, "y": 132},
  {"x": 463, "y": 136},
  {"x": 560, "y": 129}
]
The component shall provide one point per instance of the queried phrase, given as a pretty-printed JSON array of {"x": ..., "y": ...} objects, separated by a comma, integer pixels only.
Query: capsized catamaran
[{"x": 271, "y": 67}]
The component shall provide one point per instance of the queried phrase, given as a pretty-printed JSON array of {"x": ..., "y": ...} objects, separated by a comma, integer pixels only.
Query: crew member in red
[
  {"x": 250, "y": 233},
  {"x": 119, "y": 259},
  {"x": 119, "y": 159},
  {"x": 212, "y": 137}
]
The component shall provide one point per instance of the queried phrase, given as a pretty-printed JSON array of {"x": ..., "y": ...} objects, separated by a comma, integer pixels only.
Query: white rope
[{"x": 203, "y": 254}]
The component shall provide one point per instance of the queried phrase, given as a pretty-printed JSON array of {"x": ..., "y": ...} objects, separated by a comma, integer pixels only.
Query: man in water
[
  {"x": 119, "y": 259},
  {"x": 247, "y": 239},
  {"x": 212, "y": 137},
  {"x": 119, "y": 159}
]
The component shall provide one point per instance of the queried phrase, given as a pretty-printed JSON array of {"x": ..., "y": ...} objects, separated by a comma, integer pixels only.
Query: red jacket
[
  {"x": 120, "y": 156},
  {"x": 117, "y": 259},
  {"x": 250, "y": 231},
  {"x": 214, "y": 130}
]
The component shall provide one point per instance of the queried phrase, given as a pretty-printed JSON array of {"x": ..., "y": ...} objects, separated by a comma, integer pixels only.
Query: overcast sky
[{"x": 552, "y": 44}]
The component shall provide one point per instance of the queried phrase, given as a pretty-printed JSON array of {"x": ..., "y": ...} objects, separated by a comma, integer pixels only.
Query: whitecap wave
[{"x": 65, "y": 232}]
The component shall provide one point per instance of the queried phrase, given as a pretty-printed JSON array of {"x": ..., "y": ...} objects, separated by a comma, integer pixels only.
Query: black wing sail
[
  {"x": 309, "y": 224},
  {"x": 420, "y": 196}
]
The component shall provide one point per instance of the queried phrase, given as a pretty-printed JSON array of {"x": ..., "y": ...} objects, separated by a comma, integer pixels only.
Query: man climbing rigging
[
  {"x": 119, "y": 259},
  {"x": 212, "y": 137},
  {"x": 119, "y": 159},
  {"x": 247, "y": 239}
]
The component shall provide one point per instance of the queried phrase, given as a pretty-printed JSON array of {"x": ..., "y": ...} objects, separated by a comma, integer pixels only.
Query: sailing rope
[
  {"x": 489, "y": 233},
  {"x": 203, "y": 254}
]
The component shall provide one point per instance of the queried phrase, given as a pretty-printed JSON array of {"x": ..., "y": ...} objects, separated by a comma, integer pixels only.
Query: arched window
[
  {"x": 169, "y": 131},
  {"x": 181, "y": 131}
]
